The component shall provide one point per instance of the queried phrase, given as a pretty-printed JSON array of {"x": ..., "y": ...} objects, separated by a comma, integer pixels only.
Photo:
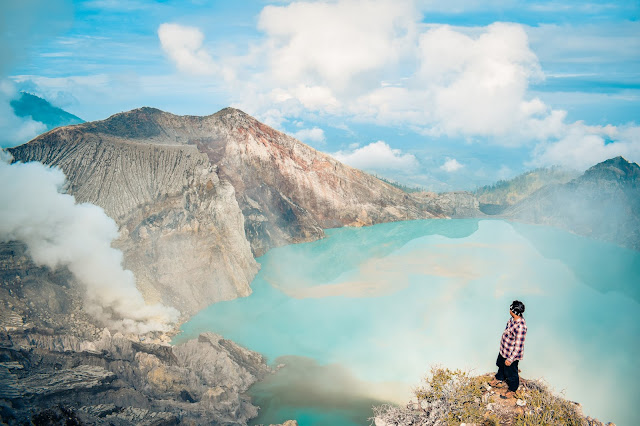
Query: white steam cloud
[{"x": 60, "y": 232}]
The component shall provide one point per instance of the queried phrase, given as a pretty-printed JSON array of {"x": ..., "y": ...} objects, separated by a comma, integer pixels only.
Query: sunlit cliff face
[{"x": 386, "y": 303}]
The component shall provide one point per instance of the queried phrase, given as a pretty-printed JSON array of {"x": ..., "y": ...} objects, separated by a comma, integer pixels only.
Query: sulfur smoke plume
[{"x": 59, "y": 232}]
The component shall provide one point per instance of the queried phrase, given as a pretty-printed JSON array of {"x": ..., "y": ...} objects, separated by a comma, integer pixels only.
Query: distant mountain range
[
  {"x": 504, "y": 193},
  {"x": 28, "y": 105},
  {"x": 603, "y": 203}
]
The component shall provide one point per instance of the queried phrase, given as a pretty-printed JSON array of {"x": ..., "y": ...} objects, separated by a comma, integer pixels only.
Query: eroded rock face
[
  {"x": 35, "y": 297},
  {"x": 115, "y": 380},
  {"x": 56, "y": 365},
  {"x": 182, "y": 232}
]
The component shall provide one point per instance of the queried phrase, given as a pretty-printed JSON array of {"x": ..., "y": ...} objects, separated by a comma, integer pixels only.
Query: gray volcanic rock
[
  {"x": 114, "y": 380},
  {"x": 603, "y": 203},
  {"x": 58, "y": 365},
  {"x": 46, "y": 384},
  {"x": 195, "y": 197},
  {"x": 34, "y": 297}
]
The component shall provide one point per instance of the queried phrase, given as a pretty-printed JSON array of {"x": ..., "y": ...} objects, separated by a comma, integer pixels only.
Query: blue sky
[{"x": 443, "y": 95}]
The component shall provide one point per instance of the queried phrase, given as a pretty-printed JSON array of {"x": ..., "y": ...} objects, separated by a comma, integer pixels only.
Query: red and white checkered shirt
[{"x": 512, "y": 342}]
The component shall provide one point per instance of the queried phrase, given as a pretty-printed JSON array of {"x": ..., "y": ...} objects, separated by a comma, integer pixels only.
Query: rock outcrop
[
  {"x": 457, "y": 204},
  {"x": 114, "y": 380},
  {"x": 454, "y": 397},
  {"x": 603, "y": 203},
  {"x": 196, "y": 198},
  {"x": 56, "y": 364}
]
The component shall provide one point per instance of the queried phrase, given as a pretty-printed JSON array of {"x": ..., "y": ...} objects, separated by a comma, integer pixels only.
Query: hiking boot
[
  {"x": 495, "y": 383},
  {"x": 508, "y": 394}
]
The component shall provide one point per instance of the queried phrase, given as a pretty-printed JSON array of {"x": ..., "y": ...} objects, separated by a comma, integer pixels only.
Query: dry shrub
[
  {"x": 447, "y": 398},
  {"x": 544, "y": 408},
  {"x": 453, "y": 397}
]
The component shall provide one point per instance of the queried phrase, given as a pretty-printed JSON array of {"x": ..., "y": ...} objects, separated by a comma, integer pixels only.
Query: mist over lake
[{"x": 360, "y": 317}]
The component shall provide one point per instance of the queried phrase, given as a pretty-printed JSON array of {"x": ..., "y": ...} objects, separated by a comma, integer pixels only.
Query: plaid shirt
[{"x": 512, "y": 342}]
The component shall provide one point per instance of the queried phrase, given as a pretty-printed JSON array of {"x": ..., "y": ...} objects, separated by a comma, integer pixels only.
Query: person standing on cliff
[{"x": 511, "y": 350}]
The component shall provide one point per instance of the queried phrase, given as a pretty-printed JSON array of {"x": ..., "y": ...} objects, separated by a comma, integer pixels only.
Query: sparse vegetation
[
  {"x": 454, "y": 397},
  {"x": 544, "y": 408},
  {"x": 400, "y": 186},
  {"x": 447, "y": 398}
]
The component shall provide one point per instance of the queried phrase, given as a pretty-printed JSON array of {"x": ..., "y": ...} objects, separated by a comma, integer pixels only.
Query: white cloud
[
  {"x": 184, "y": 46},
  {"x": 478, "y": 85},
  {"x": 315, "y": 134},
  {"x": 445, "y": 80},
  {"x": 373, "y": 60},
  {"x": 451, "y": 165},
  {"x": 376, "y": 61},
  {"x": 582, "y": 146},
  {"x": 331, "y": 43},
  {"x": 377, "y": 156},
  {"x": 316, "y": 98},
  {"x": 394, "y": 105}
]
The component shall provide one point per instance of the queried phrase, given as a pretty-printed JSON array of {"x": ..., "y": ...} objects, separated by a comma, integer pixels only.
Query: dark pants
[{"x": 508, "y": 374}]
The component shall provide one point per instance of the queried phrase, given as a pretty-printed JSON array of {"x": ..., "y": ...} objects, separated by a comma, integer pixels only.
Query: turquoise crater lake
[{"x": 359, "y": 317}]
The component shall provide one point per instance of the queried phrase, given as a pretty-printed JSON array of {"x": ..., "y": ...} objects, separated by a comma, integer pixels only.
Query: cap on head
[{"x": 517, "y": 307}]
